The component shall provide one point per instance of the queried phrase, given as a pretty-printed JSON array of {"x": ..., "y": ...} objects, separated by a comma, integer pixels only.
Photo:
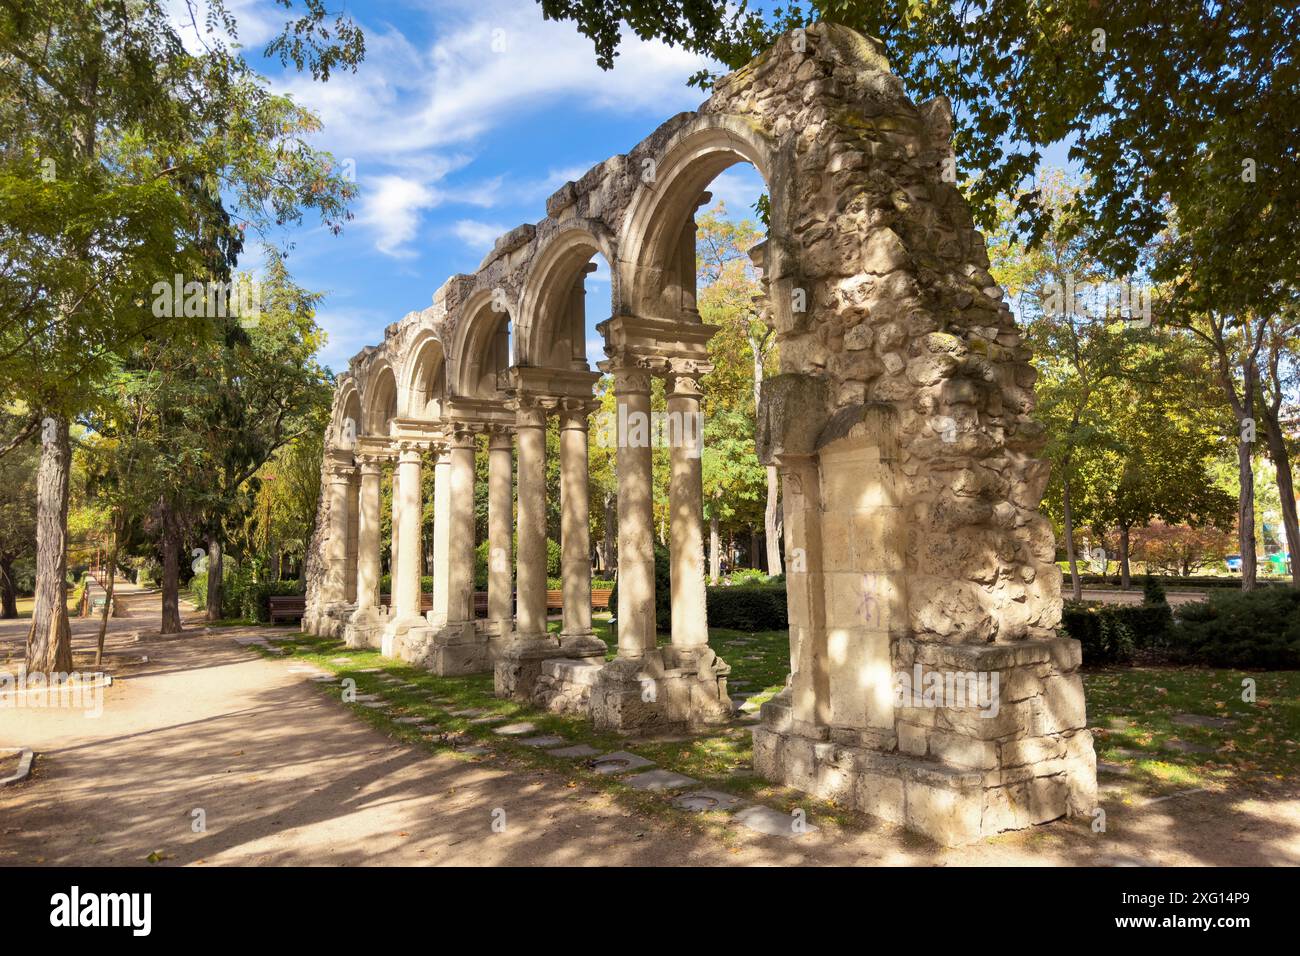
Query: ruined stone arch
[
  {"x": 380, "y": 405},
  {"x": 347, "y": 407},
  {"x": 482, "y": 350},
  {"x": 551, "y": 331},
  {"x": 653, "y": 267},
  {"x": 425, "y": 377}
]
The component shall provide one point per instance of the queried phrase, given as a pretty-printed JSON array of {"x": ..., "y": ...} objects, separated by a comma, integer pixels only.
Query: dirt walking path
[{"x": 283, "y": 774}]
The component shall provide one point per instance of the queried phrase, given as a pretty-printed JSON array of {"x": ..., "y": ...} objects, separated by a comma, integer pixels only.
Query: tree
[
  {"x": 1154, "y": 98},
  {"x": 124, "y": 156},
  {"x": 17, "y": 518}
]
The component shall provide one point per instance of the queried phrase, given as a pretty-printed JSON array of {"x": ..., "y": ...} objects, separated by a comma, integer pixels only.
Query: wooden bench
[
  {"x": 600, "y": 598},
  {"x": 287, "y": 607}
]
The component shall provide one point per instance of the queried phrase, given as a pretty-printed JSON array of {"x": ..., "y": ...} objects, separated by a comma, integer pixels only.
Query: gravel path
[{"x": 285, "y": 775}]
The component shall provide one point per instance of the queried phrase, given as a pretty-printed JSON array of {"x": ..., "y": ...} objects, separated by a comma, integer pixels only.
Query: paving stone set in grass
[{"x": 392, "y": 695}]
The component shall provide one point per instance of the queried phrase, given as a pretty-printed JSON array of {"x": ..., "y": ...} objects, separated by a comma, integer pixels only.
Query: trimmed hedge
[
  {"x": 749, "y": 607},
  {"x": 1241, "y": 629},
  {"x": 1111, "y": 633},
  {"x": 1173, "y": 581}
]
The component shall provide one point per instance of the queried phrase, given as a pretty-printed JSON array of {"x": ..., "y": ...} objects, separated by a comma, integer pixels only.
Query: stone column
[
  {"x": 368, "y": 536},
  {"x": 460, "y": 524},
  {"x": 354, "y": 521},
  {"x": 396, "y": 538},
  {"x": 500, "y": 526},
  {"x": 441, "y": 536},
  {"x": 636, "y": 564},
  {"x": 531, "y": 581},
  {"x": 686, "y": 507},
  {"x": 406, "y": 580},
  {"x": 336, "y": 550},
  {"x": 575, "y": 528}
]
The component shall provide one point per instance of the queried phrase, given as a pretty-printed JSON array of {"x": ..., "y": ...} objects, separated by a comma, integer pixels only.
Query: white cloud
[
  {"x": 391, "y": 209},
  {"x": 478, "y": 235}
]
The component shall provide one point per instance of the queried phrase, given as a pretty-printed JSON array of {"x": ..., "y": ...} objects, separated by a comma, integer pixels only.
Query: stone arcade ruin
[{"x": 928, "y": 685}]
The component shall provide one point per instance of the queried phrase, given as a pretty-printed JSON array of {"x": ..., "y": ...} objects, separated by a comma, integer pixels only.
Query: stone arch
[
  {"x": 548, "y": 302},
  {"x": 347, "y": 408},
  {"x": 380, "y": 405},
  {"x": 482, "y": 350},
  {"x": 652, "y": 268},
  {"x": 425, "y": 385}
]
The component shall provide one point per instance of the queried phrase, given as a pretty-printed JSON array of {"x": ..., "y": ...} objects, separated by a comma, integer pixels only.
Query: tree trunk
[
  {"x": 49, "y": 642},
  {"x": 8, "y": 589},
  {"x": 171, "y": 547},
  {"x": 1286, "y": 491},
  {"x": 1246, "y": 516},
  {"x": 771, "y": 522},
  {"x": 1067, "y": 519},
  {"x": 715, "y": 550},
  {"x": 1125, "y": 576},
  {"x": 216, "y": 580},
  {"x": 108, "y": 601}
]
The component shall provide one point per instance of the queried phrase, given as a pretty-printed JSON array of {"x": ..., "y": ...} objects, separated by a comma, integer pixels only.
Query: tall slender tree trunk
[
  {"x": 1286, "y": 491},
  {"x": 1067, "y": 519},
  {"x": 171, "y": 549},
  {"x": 772, "y": 522},
  {"x": 1125, "y": 576},
  {"x": 108, "y": 601},
  {"x": 49, "y": 643},
  {"x": 216, "y": 579},
  {"x": 1246, "y": 516},
  {"x": 715, "y": 550},
  {"x": 8, "y": 589}
]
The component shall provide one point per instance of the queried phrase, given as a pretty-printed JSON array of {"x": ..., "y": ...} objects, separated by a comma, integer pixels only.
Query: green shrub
[
  {"x": 1153, "y": 592},
  {"x": 386, "y": 584},
  {"x": 749, "y": 607},
  {"x": 602, "y": 584},
  {"x": 1241, "y": 629},
  {"x": 255, "y": 599},
  {"x": 747, "y": 576},
  {"x": 1105, "y": 631}
]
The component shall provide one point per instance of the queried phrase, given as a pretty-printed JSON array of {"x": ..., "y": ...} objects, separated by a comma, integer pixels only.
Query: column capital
[
  {"x": 632, "y": 372},
  {"x": 500, "y": 438},
  {"x": 574, "y": 412},
  {"x": 530, "y": 410},
  {"x": 371, "y": 464},
  {"x": 684, "y": 377},
  {"x": 341, "y": 473},
  {"x": 461, "y": 434}
]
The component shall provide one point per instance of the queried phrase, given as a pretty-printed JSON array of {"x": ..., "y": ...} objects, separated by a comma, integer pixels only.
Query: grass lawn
[{"x": 1132, "y": 711}]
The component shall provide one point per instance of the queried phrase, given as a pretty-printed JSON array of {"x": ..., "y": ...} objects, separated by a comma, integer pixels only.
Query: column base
[
  {"x": 365, "y": 628},
  {"x": 582, "y": 645},
  {"x": 517, "y": 663},
  {"x": 459, "y": 648},
  {"x": 667, "y": 689},
  {"x": 953, "y": 774},
  {"x": 330, "y": 620},
  {"x": 406, "y": 639}
]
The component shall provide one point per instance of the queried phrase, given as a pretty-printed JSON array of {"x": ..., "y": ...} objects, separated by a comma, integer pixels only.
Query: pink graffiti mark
[{"x": 869, "y": 609}]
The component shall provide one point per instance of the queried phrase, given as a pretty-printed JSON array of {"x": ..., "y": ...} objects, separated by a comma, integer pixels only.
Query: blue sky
[{"x": 462, "y": 119}]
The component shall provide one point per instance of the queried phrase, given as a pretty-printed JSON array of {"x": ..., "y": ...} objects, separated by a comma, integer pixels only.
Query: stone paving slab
[
  {"x": 1199, "y": 720},
  {"x": 363, "y": 698},
  {"x": 409, "y": 720},
  {"x": 620, "y": 761},
  {"x": 542, "y": 741},
  {"x": 762, "y": 819},
  {"x": 515, "y": 730},
  {"x": 577, "y": 750},
  {"x": 428, "y": 728},
  {"x": 1118, "y": 769},
  {"x": 490, "y": 719},
  {"x": 660, "y": 780},
  {"x": 1186, "y": 747},
  {"x": 469, "y": 712},
  {"x": 376, "y": 704},
  {"x": 699, "y": 801}
]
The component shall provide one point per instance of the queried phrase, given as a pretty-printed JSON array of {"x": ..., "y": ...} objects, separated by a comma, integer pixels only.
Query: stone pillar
[
  {"x": 636, "y": 565},
  {"x": 686, "y": 508},
  {"x": 368, "y": 535},
  {"x": 350, "y": 571},
  {"x": 500, "y": 527},
  {"x": 406, "y": 579},
  {"x": 441, "y": 537},
  {"x": 576, "y": 637},
  {"x": 460, "y": 524},
  {"x": 531, "y": 579},
  {"x": 367, "y": 620},
  {"x": 336, "y": 549},
  {"x": 396, "y": 538}
]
